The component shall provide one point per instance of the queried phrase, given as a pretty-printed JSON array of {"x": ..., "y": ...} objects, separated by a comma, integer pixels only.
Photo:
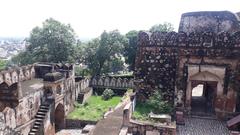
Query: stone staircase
[{"x": 39, "y": 119}]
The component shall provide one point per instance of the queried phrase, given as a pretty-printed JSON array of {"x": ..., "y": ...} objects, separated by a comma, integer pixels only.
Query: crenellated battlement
[
  {"x": 14, "y": 75},
  {"x": 28, "y": 72},
  {"x": 193, "y": 39},
  {"x": 207, "y": 44}
]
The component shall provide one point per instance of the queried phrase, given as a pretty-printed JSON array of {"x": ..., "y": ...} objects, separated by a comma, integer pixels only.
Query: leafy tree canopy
[
  {"x": 131, "y": 48},
  {"x": 2, "y": 64},
  {"x": 165, "y": 27},
  {"x": 111, "y": 44},
  {"x": 53, "y": 42}
]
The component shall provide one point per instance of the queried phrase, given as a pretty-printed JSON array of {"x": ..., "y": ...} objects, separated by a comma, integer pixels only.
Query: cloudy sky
[{"x": 90, "y": 17}]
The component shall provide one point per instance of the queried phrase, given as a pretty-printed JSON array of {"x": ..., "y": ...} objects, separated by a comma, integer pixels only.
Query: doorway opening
[
  {"x": 59, "y": 117},
  {"x": 203, "y": 95}
]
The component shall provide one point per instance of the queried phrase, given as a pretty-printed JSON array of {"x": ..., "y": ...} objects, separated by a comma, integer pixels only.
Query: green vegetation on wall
[
  {"x": 154, "y": 104},
  {"x": 2, "y": 64}
]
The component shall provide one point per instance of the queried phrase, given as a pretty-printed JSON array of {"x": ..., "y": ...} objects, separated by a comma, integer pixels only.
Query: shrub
[
  {"x": 85, "y": 104},
  {"x": 158, "y": 104},
  {"x": 107, "y": 94}
]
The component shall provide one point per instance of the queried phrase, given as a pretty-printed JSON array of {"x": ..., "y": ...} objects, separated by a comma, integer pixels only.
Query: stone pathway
[
  {"x": 70, "y": 132},
  {"x": 110, "y": 125},
  {"x": 199, "y": 126}
]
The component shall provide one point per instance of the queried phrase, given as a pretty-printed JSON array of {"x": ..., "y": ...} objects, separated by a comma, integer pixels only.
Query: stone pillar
[{"x": 188, "y": 96}]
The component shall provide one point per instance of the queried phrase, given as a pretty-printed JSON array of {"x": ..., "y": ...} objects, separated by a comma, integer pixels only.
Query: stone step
[
  {"x": 44, "y": 107},
  {"x": 38, "y": 123},
  {"x": 39, "y": 116},
  {"x": 41, "y": 113},
  {"x": 36, "y": 126},
  {"x": 39, "y": 120},
  {"x": 34, "y": 130},
  {"x": 43, "y": 110},
  {"x": 32, "y": 133}
]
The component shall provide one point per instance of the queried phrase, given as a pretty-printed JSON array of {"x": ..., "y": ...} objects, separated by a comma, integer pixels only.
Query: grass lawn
[
  {"x": 141, "y": 111},
  {"x": 93, "y": 109}
]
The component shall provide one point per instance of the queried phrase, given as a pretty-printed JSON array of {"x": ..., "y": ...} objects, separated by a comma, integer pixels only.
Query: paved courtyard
[{"x": 196, "y": 126}]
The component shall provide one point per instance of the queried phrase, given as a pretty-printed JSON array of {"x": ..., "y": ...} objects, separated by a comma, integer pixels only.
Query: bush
[
  {"x": 85, "y": 104},
  {"x": 107, "y": 94},
  {"x": 158, "y": 104}
]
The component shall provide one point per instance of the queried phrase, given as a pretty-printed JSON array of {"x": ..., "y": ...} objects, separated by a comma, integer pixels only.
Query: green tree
[
  {"x": 23, "y": 58},
  {"x": 104, "y": 54},
  {"x": 111, "y": 44},
  {"x": 79, "y": 52},
  {"x": 165, "y": 27},
  {"x": 115, "y": 64},
  {"x": 131, "y": 48},
  {"x": 90, "y": 57},
  {"x": 53, "y": 42},
  {"x": 2, "y": 64}
]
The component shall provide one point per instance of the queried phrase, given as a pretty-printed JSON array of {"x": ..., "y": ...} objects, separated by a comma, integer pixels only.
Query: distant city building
[{"x": 11, "y": 47}]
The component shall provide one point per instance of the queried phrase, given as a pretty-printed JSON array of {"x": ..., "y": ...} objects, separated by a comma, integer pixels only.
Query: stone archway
[
  {"x": 203, "y": 97},
  {"x": 59, "y": 117},
  {"x": 209, "y": 78}
]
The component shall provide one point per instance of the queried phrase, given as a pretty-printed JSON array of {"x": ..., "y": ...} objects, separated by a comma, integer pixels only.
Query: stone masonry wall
[{"x": 162, "y": 58}]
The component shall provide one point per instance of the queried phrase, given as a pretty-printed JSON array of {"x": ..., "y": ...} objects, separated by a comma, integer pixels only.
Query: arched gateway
[
  {"x": 202, "y": 52},
  {"x": 59, "y": 117},
  {"x": 212, "y": 80}
]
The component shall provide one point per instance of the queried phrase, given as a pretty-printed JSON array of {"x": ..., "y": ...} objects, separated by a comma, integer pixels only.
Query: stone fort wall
[
  {"x": 21, "y": 105},
  {"x": 163, "y": 59}
]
